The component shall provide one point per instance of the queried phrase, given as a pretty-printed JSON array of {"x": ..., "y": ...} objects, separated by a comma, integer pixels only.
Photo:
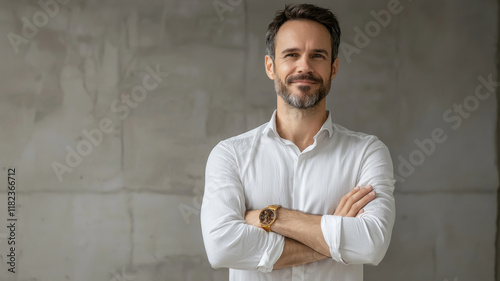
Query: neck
[{"x": 299, "y": 125}]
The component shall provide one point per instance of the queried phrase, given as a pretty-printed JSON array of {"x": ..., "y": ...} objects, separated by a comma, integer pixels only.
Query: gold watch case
[{"x": 268, "y": 216}]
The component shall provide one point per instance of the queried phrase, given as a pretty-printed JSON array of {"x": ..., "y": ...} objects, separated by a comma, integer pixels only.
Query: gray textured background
[{"x": 130, "y": 209}]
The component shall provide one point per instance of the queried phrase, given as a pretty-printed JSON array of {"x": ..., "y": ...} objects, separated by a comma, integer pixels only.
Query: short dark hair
[{"x": 308, "y": 12}]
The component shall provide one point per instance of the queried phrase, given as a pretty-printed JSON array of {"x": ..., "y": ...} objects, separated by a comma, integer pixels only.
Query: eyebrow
[{"x": 289, "y": 50}]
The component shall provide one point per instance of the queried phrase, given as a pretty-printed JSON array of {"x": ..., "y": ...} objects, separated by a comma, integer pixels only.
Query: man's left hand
[{"x": 252, "y": 218}]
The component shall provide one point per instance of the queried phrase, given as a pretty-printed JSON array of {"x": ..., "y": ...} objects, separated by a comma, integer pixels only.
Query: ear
[
  {"x": 335, "y": 68},
  {"x": 269, "y": 67}
]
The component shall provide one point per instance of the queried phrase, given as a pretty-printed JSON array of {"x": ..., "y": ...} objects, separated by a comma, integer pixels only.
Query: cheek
[
  {"x": 284, "y": 71},
  {"x": 325, "y": 72},
  {"x": 285, "y": 67}
]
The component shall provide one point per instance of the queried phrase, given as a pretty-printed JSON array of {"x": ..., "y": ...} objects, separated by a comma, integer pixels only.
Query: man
[{"x": 300, "y": 197}]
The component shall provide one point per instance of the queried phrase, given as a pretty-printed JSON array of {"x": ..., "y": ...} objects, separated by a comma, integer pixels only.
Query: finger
[
  {"x": 340, "y": 207},
  {"x": 358, "y": 201},
  {"x": 360, "y": 212},
  {"x": 361, "y": 203},
  {"x": 347, "y": 208},
  {"x": 358, "y": 195},
  {"x": 344, "y": 199}
]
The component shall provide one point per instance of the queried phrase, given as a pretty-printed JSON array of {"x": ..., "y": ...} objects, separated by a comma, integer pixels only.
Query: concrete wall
[{"x": 110, "y": 167}]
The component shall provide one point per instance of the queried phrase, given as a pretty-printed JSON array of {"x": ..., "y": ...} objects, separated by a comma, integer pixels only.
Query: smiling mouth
[{"x": 304, "y": 82}]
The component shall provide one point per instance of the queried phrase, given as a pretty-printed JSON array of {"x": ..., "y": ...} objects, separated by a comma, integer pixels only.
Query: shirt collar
[
  {"x": 271, "y": 125},
  {"x": 327, "y": 126}
]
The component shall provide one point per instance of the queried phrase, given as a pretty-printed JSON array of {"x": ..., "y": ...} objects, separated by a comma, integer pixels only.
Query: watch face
[{"x": 266, "y": 216}]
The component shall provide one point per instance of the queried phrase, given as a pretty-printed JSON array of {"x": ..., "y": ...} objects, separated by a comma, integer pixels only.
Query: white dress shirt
[{"x": 259, "y": 168}]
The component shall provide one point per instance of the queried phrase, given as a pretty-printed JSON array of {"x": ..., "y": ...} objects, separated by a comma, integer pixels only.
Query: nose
[{"x": 304, "y": 65}]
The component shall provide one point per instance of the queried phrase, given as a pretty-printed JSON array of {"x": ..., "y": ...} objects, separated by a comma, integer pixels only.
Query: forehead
[{"x": 304, "y": 35}]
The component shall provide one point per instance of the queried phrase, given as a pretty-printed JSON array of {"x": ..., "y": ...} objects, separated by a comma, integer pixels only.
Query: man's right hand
[{"x": 352, "y": 203}]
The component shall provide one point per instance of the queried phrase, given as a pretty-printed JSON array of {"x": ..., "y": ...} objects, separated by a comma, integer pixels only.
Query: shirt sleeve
[
  {"x": 365, "y": 239},
  {"x": 229, "y": 241}
]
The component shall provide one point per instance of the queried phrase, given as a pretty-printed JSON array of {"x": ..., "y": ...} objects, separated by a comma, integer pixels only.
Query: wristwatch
[{"x": 268, "y": 216}]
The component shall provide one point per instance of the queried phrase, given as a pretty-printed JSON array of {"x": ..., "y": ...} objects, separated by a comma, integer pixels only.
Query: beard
[{"x": 307, "y": 97}]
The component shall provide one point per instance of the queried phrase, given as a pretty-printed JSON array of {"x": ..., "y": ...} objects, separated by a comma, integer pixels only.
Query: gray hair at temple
[{"x": 308, "y": 12}]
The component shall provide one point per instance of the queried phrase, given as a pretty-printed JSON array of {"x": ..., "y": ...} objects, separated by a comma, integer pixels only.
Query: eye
[
  {"x": 291, "y": 55},
  {"x": 318, "y": 56}
]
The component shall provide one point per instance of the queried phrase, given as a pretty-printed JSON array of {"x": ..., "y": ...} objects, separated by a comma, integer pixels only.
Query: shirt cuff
[
  {"x": 275, "y": 245},
  {"x": 331, "y": 226}
]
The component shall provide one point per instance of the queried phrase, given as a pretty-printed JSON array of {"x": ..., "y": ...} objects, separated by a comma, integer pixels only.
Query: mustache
[{"x": 309, "y": 77}]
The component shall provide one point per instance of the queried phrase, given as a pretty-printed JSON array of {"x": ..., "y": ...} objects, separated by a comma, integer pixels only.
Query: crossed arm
[
  {"x": 232, "y": 239},
  {"x": 304, "y": 241}
]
